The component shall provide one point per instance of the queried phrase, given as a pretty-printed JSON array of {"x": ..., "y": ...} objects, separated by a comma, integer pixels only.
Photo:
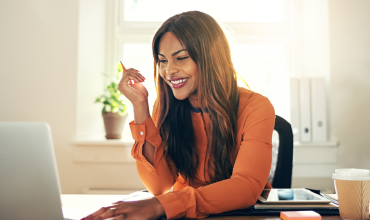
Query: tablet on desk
[{"x": 291, "y": 196}]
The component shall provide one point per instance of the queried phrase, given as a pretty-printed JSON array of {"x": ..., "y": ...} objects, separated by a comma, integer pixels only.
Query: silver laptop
[{"x": 29, "y": 182}]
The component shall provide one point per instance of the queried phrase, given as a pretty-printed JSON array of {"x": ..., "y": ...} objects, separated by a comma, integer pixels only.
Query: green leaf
[
  {"x": 114, "y": 103},
  {"x": 112, "y": 97}
]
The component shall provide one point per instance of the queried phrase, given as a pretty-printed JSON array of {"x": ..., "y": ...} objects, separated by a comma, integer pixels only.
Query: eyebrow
[{"x": 173, "y": 54}]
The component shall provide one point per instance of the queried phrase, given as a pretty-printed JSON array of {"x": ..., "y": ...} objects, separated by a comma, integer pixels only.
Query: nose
[{"x": 171, "y": 68}]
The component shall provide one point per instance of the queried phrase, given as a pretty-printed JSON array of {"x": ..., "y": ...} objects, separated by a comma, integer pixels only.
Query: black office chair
[{"x": 282, "y": 156}]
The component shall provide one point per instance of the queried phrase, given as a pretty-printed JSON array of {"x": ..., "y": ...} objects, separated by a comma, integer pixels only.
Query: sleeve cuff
[
  {"x": 146, "y": 131},
  {"x": 138, "y": 132},
  {"x": 172, "y": 205}
]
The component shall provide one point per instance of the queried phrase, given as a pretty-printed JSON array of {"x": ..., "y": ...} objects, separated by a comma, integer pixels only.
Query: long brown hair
[{"x": 217, "y": 92}]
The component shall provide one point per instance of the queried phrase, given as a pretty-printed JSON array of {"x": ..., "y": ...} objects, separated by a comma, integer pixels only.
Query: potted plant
[{"x": 114, "y": 110}]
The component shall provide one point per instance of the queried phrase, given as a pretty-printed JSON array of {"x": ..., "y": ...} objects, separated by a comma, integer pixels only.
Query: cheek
[
  {"x": 194, "y": 72},
  {"x": 192, "y": 69},
  {"x": 162, "y": 72}
]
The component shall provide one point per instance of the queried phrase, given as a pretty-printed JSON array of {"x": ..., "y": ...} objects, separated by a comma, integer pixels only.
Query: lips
[{"x": 178, "y": 82}]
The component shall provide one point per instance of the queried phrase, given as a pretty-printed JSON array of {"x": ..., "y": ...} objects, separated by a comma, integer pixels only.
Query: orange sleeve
[
  {"x": 157, "y": 178},
  {"x": 250, "y": 172}
]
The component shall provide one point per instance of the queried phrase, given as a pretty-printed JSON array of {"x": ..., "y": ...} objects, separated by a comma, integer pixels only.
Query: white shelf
[
  {"x": 316, "y": 154},
  {"x": 327, "y": 144}
]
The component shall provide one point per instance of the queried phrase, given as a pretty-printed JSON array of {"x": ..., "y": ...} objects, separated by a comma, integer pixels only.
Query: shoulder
[{"x": 254, "y": 103}]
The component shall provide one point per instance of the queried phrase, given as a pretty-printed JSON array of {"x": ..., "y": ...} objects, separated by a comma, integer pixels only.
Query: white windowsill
[
  {"x": 127, "y": 139},
  {"x": 97, "y": 149},
  {"x": 100, "y": 140}
]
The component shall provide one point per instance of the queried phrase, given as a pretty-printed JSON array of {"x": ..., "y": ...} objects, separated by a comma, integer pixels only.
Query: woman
[{"x": 209, "y": 140}]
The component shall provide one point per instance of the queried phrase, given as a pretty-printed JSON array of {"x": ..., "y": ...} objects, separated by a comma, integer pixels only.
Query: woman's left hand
[{"x": 143, "y": 209}]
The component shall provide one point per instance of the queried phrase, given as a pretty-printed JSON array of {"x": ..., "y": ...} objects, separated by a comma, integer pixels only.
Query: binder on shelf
[
  {"x": 294, "y": 107},
  {"x": 318, "y": 110},
  {"x": 304, "y": 110}
]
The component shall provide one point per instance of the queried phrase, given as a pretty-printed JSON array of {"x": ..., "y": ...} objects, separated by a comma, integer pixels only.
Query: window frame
[
  {"x": 283, "y": 33},
  {"x": 120, "y": 32}
]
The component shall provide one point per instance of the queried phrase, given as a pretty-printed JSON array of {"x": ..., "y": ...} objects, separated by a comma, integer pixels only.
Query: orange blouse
[{"x": 255, "y": 123}]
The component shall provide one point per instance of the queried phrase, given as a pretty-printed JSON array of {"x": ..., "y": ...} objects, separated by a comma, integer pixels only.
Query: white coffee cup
[
  {"x": 353, "y": 189},
  {"x": 351, "y": 173}
]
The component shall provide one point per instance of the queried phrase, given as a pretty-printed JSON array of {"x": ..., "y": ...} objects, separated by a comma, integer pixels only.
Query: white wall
[
  {"x": 47, "y": 48},
  {"x": 349, "y": 87},
  {"x": 43, "y": 56},
  {"x": 350, "y": 80},
  {"x": 38, "y": 66},
  {"x": 91, "y": 58}
]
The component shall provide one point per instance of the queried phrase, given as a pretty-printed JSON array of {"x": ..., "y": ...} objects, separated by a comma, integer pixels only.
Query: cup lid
[{"x": 352, "y": 174}]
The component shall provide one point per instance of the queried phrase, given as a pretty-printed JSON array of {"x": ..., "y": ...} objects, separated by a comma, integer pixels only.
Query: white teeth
[{"x": 179, "y": 81}]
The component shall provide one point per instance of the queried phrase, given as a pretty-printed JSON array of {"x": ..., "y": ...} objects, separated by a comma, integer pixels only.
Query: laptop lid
[{"x": 29, "y": 183}]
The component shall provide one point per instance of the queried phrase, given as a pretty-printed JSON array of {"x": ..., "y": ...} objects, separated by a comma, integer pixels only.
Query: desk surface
[
  {"x": 265, "y": 218},
  {"x": 77, "y": 206}
]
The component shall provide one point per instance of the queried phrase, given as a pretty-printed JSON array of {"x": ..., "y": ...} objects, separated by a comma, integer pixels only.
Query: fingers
[
  {"x": 120, "y": 217},
  {"x": 132, "y": 74},
  {"x": 116, "y": 203},
  {"x": 112, "y": 213},
  {"x": 108, "y": 214},
  {"x": 144, "y": 209},
  {"x": 131, "y": 85},
  {"x": 97, "y": 213},
  {"x": 140, "y": 87}
]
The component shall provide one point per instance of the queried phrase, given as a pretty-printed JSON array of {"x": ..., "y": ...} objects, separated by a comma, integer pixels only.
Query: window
[
  {"x": 261, "y": 40},
  {"x": 225, "y": 11}
]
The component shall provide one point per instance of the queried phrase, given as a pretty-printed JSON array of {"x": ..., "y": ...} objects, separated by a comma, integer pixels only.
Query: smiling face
[{"x": 177, "y": 69}]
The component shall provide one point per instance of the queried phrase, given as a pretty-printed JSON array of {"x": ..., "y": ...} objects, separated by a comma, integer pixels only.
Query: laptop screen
[{"x": 29, "y": 183}]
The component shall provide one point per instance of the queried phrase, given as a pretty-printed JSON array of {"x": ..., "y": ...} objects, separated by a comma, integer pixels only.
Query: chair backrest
[{"x": 282, "y": 154}]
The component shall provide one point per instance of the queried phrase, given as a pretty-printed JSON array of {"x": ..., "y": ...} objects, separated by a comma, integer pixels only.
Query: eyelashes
[
  {"x": 179, "y": 58},
  {"x": 182, "y": 58}
]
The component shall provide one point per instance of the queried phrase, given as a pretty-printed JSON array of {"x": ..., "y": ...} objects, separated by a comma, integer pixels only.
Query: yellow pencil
[{"x": 123, "y": 67}]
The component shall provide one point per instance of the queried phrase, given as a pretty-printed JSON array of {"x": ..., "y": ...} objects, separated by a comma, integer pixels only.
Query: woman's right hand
[{"x": 131, "y": 86}]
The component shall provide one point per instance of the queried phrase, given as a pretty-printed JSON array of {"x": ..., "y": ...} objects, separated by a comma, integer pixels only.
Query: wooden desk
[
  {"x": 264, "y": 218},
  {"x": 77, "y": 206}
]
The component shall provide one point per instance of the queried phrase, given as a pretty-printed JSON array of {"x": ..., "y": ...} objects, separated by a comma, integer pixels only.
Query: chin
[{"x": 180, "y": 96}]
